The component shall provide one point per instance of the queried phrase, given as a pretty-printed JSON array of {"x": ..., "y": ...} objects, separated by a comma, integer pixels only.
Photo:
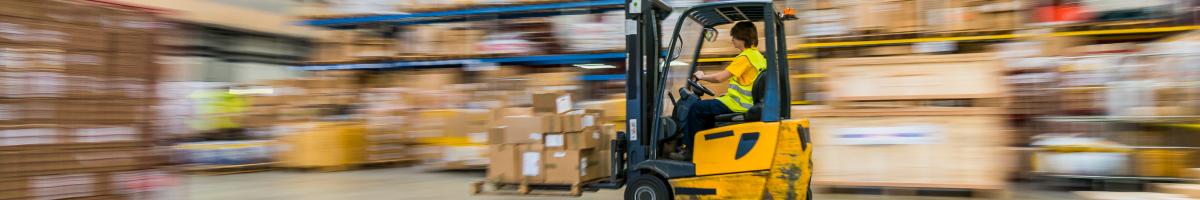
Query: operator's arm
[
  {"x": 719, "y": 77},
  {"x": 739, "y": 66}
]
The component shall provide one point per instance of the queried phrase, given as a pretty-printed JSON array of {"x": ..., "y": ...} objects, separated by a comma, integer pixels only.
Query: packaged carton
[
  {"x": 503, "y": 167},
  {"x": 570, "y": 166},
  {"x": 606, "y": 132},
  {"x": 551, "y": 102},
  {"x": 531, "y": 161},
  {"x": 527, "y": 128},
  {"x": 577, "y": 120},
  {"x": 584, "y": 139},
  {"x": 604, "y": 158}
]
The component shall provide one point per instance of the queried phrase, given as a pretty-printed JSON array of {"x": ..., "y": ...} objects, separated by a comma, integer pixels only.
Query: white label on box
[
  {"x": 535, "y": 136},
  {"x": 583, "y": 166},
  {"x": 912, "y": 134},
  {"x": 529, "y": 163},
  {"x": 554, "y": 140},
  {"x": 478, "y": 138},
  {"x": 563, "y": 103},
  {"x": 596, "y": 135},
  {"x": 588, "y": 120},
  {"x": 560, "y": 154}
]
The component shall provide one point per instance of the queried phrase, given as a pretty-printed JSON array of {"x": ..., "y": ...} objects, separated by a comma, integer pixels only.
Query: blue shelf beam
[
  {"x": 526, "y": 60},
  {"x": 486, "y": 13},
  {"x": 602, "y": 77}
]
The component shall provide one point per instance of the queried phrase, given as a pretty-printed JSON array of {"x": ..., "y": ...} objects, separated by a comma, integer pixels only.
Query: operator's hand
[{"x": 699, "y": 75}]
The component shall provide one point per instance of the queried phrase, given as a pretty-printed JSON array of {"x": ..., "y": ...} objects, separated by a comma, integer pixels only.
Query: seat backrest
[{"x": 758, "y": 91}]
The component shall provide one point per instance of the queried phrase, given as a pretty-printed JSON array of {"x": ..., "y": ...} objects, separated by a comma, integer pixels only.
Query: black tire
[{"x": 648, "y": 187}]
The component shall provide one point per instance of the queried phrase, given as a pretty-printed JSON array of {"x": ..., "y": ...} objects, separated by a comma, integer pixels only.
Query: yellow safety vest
[{"x": 738, "y": 97}]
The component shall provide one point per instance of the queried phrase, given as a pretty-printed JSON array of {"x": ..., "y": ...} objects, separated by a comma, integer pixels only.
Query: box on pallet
[
  {"x": 570, "y": 166},
  {"x": 504, "y": 161},
  {"x": 524, "y": 129},
  {"x": 956, "y": 146},
  {"x": 552, "y": 102},
  {"x": 577, "y": 120},
  {"x": 531, "y": 159},
  {"x": 470, "y": 123},
  {"x": 584, "y": 139},
  {"x": 320, "y": 144},
  {"x": 914, "y": 77}
]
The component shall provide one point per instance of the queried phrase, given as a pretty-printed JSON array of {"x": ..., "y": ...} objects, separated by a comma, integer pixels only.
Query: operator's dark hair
[{"x": 746, "y": 32}]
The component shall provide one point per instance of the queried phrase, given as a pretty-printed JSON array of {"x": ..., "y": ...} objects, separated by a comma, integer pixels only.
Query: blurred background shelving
[{"x": 1033, "y": 98}]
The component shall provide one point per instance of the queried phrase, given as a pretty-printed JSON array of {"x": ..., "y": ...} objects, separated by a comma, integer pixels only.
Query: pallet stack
[
  {"x": 77, "y": 84},
  {"x": 556, "y": 145},
  {"x": 932, "y": 122}
]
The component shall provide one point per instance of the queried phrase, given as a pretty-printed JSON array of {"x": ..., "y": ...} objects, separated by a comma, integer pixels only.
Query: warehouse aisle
[
  {"x": 416, "y": 183},
  {"x": 393, "y": 183}
]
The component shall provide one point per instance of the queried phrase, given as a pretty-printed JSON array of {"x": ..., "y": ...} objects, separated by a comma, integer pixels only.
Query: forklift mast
[{"x": 643, "y": 33}]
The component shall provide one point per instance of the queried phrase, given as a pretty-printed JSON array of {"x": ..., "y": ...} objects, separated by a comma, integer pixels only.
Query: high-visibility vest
[{"x": 738, "y": 97}]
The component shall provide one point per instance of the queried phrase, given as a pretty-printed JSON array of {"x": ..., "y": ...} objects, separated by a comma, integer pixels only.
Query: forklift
[{"x": 759, "y": 154}]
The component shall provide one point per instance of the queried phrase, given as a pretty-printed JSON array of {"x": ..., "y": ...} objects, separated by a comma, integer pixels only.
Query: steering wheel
[{"x": 697, "y": 86}]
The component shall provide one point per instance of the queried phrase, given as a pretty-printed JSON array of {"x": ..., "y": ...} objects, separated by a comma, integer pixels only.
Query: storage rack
[{"x": 595, "y": 6}]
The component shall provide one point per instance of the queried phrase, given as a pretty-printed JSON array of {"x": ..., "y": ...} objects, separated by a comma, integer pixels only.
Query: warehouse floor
[{"x": 418, "y": 183}]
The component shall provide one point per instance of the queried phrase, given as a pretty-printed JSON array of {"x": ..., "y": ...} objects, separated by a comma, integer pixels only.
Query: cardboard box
[
  {"x": 604, "y": 157},
  {"x": 577, "y": 120},
  {"x": 553, "y": 79},
  {"x": 513, "y": 111},
  {"x": 471, "y": 123},
  {"x": 531, "y": 161},
  {"x": 527, "y": 128},
  {"x": 552, "y": 102},
  {"x": 570, "y": 166},
  {"x": 607, "y": 133},
  {"x": 504, "y": 165},
  {"x": 584, "y": 139}
]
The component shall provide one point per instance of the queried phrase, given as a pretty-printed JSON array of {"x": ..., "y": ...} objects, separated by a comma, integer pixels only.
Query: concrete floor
[{"x": 417, "y": 183}]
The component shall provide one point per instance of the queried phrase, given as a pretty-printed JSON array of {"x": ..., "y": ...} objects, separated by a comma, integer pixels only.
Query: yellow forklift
[{"x": 759, "y": 154}]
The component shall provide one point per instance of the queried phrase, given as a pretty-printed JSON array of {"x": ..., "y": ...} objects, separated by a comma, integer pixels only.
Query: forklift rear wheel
[{"x": 648, "y": 187}]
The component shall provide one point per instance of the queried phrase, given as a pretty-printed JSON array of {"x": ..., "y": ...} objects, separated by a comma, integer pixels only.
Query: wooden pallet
[
  {"x": 226, "y": 169},
  {"x": 527, "y": 189},
  {"x": 911, "y": 189}
]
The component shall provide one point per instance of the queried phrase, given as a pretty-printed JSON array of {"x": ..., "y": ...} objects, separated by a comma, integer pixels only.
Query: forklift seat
[{"x": 754, "y": 113}]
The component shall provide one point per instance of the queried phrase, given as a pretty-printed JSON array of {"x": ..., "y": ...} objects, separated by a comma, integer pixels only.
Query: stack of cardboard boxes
[
  {"x": 75, "y": 91},
  {"x": 385, "y": 113},
  {"x": 556, "y": 144},
  {"x": 824, "y": 17},
  {"x": 827, "y": 17},
  {"x": 873, "y": 100},
  {"x": 450, "y": 138}
]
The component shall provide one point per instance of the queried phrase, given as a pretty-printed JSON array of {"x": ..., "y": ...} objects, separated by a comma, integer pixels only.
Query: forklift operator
[{"x": 743, "y": 72}]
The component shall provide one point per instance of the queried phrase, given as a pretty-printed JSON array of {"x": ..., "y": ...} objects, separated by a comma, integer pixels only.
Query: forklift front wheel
[{"x": 648, "y": 187}]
